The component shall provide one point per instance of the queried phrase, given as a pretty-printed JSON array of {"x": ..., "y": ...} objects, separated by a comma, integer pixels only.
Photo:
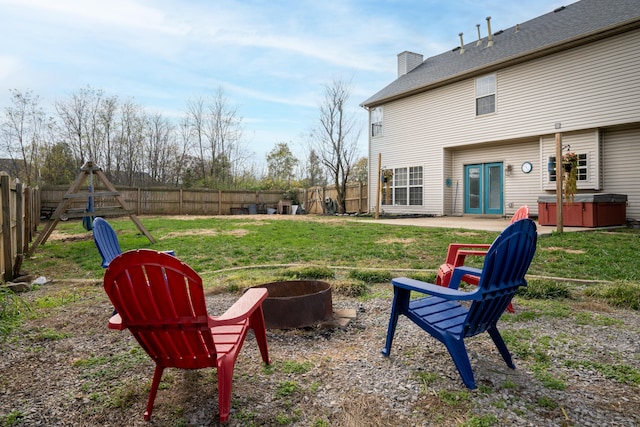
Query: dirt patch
[
  {"x": 64, "y": 367},
  {"x": 407, "y": 241},
  {"x": 569, "y": 251},
  {"x": 206, "y": 232},
  {"x": 56, "y": 235}
]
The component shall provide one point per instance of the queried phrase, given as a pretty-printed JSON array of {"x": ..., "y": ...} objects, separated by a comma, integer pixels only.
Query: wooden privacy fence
[
  {"x": 20, "y": 215},
  {"x": 316, "y": 200},
  {"x": 171, "y": 201}
]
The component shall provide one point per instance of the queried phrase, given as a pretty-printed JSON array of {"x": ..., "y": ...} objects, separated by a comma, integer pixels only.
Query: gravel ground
[{"x": 66, "y": 369}]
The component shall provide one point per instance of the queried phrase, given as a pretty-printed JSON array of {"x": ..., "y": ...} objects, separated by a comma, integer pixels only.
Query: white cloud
[{"x": 9, "y": 66}]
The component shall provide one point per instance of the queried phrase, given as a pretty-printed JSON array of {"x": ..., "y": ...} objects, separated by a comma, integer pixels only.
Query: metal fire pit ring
[{"x": 297, "y": 304}]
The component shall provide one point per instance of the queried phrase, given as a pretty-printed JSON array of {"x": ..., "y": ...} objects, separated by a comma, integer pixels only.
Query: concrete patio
[{"x": 472, "y": 222}]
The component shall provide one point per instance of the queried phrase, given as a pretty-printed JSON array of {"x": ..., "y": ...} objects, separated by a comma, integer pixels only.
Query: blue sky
[{"x": 270, "y": 57}]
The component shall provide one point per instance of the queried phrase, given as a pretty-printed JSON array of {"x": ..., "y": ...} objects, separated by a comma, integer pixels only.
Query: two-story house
[{"x": 473, "y": 130}]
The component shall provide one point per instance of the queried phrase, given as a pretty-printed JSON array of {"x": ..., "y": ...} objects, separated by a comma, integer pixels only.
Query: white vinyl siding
[
  {"x": 589, "y": 87},
  {"x": 621, "y": 175},
  {"x": 586, "y": 144}
]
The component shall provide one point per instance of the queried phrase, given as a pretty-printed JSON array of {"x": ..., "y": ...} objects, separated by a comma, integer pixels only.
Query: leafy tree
[
  {"x": 314, "y": 171},
  {"x": 59, "y": 166},
  {"x": 336, "y": 138},
  {"x": 280, "y": 166},
  {"x": 360, "y": 171}
]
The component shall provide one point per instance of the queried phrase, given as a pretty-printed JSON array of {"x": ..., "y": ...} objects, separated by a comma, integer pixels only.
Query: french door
[{"x": 483, "y": 189}]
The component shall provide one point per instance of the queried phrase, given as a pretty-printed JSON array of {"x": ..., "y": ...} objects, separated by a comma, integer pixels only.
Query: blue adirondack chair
[
  {"x": 443, "y": 317},
  {"x": 106, "y": 240}
]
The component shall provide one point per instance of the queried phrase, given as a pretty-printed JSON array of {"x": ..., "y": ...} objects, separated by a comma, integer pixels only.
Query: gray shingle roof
[{"x": 575, "y": 24}]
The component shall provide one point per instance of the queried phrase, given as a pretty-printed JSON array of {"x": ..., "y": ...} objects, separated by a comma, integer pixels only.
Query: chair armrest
[
  {"x": 476, "y": 252},
  {"x": 435, "y": 290},
  {"x": 455, "y": 255},
  {"x": 459, "y": 272},
  {"x": 115, "y": 322},
  {"x": 242, "y": 308}
]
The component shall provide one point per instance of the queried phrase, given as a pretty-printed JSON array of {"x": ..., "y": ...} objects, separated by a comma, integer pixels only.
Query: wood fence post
[
  {"x": 5, "y": 195},
  {"x": 19, "y": 229},
  {"x": 28, "y": 217}
]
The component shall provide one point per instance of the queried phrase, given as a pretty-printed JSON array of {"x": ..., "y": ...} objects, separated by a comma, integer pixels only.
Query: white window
[
  {"x": 406, "y": 187},
  {"x": 582, "y": 168},
  {"x": 486, "y": 95},
  {"x": 376, "y": 121}
]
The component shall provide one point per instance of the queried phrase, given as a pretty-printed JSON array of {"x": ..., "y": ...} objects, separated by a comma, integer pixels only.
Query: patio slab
[{"x": 471, "y": 223}]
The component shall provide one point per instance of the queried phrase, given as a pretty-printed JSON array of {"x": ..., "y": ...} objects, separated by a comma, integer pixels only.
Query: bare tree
[
  {"x": 23, "y": 128},
  {"x": 216, "y": 129},
  {"x": 80, "y": 123},
  {"x": 159, "y": 147},
  {"x": 335, "y": 140},
  {"x": 107, "y": 115},
  {"x": 196, "y": 119},
  {"x": 128, "y": 145},
  {"x": 224, "y": 132}
]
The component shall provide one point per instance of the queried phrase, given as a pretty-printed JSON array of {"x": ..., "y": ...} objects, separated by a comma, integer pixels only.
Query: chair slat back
[
  {"x": 503, "y": 272},
  {"x": 161, "y": 301},
  {"x": 521, "y": 213},
  {"x": 106, "y": 240}
]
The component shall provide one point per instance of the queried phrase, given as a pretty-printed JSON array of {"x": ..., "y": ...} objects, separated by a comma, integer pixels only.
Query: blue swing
[{"x": 87, "y": 221}]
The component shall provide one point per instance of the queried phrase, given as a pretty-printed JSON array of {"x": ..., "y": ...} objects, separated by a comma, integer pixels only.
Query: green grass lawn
[{"x": 218, "y": 243}]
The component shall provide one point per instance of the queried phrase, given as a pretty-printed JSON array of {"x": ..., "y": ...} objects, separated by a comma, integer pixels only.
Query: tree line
[{"x": 205, "y": 147}]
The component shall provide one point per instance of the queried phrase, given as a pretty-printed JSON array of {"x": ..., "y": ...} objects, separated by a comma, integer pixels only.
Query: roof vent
[
  {"x": 479, "y": 36},
  {"x": 461, "y": 44},
  {"x": 561, "y": 8},
  {"x": 407, "y": 61},
  {"x": 517, "y": 28},
  {"x": 490, "y": 43}
]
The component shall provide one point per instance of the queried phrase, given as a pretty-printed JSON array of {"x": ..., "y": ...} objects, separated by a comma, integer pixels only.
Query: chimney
[
  {"x": 407, "y": 61},
  {"x": 461, "y": 44},
  {"x": 490, "y": 43},
  {"x": 479, "y": 36}
]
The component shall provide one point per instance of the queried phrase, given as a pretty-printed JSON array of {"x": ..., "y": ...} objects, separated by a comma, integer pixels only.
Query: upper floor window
[
  {"x": 376, "y": 121},
  {"x": 486, "y": 95}
]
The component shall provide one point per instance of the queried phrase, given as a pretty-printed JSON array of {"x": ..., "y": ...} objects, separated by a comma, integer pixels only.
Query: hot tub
[{"x": 586, "y": 210}]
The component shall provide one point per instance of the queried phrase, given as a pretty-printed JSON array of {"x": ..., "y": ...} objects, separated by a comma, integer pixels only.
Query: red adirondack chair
[
  {"x": 457, "y": 253},
  {"x": 161, "y": 301}
]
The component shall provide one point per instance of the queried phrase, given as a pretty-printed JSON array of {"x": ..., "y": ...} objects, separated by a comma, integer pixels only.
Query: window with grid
[
  {"x": 582, "y": 168},
  {"x": 486, "y": 95},
  {"x": 376, "y": 121},
  {"x": 407, "y": 186}
]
